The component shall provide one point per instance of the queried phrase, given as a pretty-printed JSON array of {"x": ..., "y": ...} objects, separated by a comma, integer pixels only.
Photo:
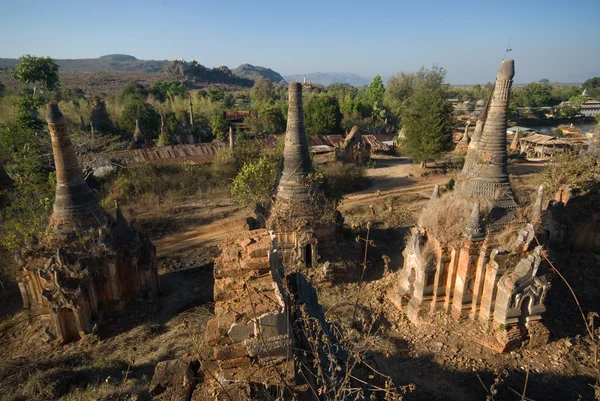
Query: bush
[
  {"x": 254, "y": 183},
  {"x": 569, "y": 169},
  {"x": 340, "y": 178},
  {"x": 133, "y": 184}
]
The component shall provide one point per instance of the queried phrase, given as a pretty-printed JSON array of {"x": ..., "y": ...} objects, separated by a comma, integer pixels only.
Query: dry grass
[{"x": 445, "y": 219}]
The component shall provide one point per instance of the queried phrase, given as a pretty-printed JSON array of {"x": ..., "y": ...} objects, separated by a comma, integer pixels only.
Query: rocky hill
[
  {"x": 193, "y": 72},
  {"x": 253, "y": 72}
]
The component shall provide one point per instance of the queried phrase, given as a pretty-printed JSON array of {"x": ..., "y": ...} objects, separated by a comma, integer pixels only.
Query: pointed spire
[
  {"x": 473, "y": 230},
  {"x": 481, "y": 120},
  {"x": 82, "y": 126},
  {"x": 191, "y": 114},
  {"x": 536, "y": 214},
  {"x": 297, "y": 164},
  {"x": 75, "y": 207},
  {"x": 465, "y": 137},
  {"x": 5, "y": 180},
  {"x": 514, "y": 145},
  {"x": 435, "y": 195},
  {"x": 489, "y": 172},
  {"x": 137, "y": 134}
]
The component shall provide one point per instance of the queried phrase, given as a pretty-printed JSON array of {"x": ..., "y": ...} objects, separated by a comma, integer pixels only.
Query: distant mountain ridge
[
  {"x": 108, "y": 63},
  {"x": 254, "y": 72},
  {"x": 328, "y": 78}
]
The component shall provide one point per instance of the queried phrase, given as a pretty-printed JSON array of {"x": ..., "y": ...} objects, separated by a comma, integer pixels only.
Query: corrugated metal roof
[
  {"x": 201, "y": 153},
  {"x": 540, "y": 139}
]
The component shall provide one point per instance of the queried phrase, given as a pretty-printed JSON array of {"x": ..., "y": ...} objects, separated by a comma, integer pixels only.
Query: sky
[{"x": 554, "y": 39}]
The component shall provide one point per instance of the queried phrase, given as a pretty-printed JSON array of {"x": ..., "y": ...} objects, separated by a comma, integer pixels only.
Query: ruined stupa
[
  {"x": 75, "y": 207},
  {"x": 92, "y": 263},
  {"x": 485, "y": 173},
  {"x": 354, "y": 148},
  {"x": 461, "y": 264},
  {"x": 299, "y": 215},
  {"x": 99, "y": 119}
]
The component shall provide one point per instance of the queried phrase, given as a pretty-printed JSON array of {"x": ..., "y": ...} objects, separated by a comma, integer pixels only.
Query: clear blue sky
[{"x": 554, "y": 39}]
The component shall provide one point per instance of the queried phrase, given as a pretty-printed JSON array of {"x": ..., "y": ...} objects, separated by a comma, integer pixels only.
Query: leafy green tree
[
  {"x": 428, "y": 117},
  {"x": 535, "y": 94},
  {"x": 148, "y": 117},
  {"x": 376, "y": 91},
  {"x": 2, "y": 90},
  {"x": 253, "y": 185},
  {"x": 322, "y": 115},
  {"x": 134, "y": 90},
  {"x": 577, "y": 101},
  {"x": 262, "y": 90},
  {"x": 41, "y": 73},
  {"x": 164, "y": 90},
  {"x": 268, "y": 120},
  {"x": 216, "y": 94},
  {"x": 219, "y": 126}
]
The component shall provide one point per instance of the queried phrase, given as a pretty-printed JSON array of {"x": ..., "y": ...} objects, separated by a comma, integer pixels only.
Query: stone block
[
  {"x": 246, "y": 242},
  {"x": 271, "y": 346},
  {"x": 173, "y": 380},
  {"x": 259, "y": 249},
  {"x": 271, "y": 325},
  {"x": 240, "y": 331},
  {"x": 241, "y": 362},
  {"x": 232, "y": 351}
]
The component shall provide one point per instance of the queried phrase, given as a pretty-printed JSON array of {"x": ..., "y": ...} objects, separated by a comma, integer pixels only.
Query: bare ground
[{"x": 441, "y": 357}]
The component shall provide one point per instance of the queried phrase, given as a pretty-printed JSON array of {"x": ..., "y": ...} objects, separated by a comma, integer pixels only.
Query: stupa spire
[
  {"x": 435, "y": 195},
  {"x": 536, "y": 215},
  {"x": 137, "y": 134},
  {"x": 75, "y": 207},
  {"x": 297, "y": 164},
  {"x": 473, "y": 230},
  {"x": 489, "y": 175}
]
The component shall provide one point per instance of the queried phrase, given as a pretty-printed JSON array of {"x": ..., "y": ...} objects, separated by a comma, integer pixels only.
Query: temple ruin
[
  {"x": 93, "y": 263},
  {"x": 100, "y": 122},
  {"x": 482, "y": 262},
  {"x": 301, "y": 218},
  {"x": 354, "y": 149}
]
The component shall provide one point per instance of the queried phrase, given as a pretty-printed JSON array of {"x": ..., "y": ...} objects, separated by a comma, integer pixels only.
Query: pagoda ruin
[
  {"x": 480, "y": 261},
  {"x": 300, "y": 217},
  {"x": 92, "y": 263}
]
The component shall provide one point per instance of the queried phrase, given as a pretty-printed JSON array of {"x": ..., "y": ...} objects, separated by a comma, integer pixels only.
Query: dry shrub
[{"x": 445, "y": 218}]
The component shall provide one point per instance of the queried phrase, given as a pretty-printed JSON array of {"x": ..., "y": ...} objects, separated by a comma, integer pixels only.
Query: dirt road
[{"x": 392, "y": 176}]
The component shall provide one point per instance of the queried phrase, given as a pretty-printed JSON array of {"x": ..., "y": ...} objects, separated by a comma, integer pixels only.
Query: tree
[
  {"x": 2, "y": 90},
  {"x": 253, "y": 185},
  {"x": 218, "y": 126},
  {"x": 322, "y": 115},
  {"x": 428, "y": 117},
  {"x": 268, "y": 120},
  {"x": 216, "y": 94},
  {"x": 535, "y": 94},
  {"x": 375, "y": 92},
  {"x": 263, "y": 90},
  {"x": 39, "y": 72},
  {"x": 164, "y": 90},
  {"x": 149, "y": 119}
]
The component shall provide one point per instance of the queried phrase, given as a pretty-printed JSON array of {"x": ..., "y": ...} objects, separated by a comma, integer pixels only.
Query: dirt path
[
  {"x": 202, "y": 235},
  {"x": 393, "y": 176}
]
